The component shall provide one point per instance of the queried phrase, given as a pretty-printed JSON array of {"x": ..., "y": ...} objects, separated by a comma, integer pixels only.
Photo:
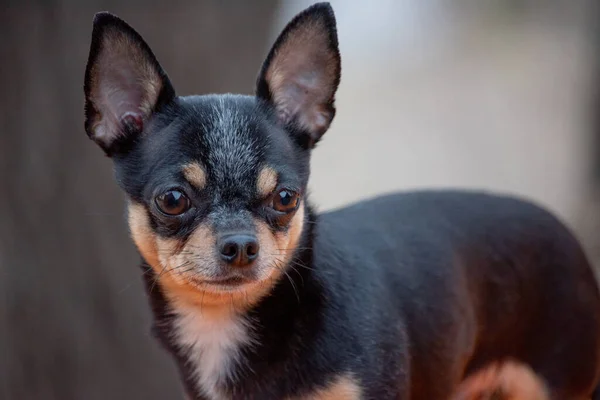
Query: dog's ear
[
  {"x": 302, "y": 72},
  {"x": 124, "y": 84}
]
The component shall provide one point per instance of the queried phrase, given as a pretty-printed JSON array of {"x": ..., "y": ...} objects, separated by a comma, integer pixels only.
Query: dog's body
[
  {"x": 258, "y": 297},
  {"x": 408, "y": 294}
]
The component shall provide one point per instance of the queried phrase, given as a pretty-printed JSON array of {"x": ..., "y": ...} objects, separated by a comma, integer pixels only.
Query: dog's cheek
[
  {"x": 270, "y": 259},
  {"x": 278, "y": 248},
  {"x": 193, "y": 259},
  {"x": 142, "y": 233},
  {"x": 158, "y": 252},
  {"x": 199, "y": 250},
  {"x": 288, "y": 241}
]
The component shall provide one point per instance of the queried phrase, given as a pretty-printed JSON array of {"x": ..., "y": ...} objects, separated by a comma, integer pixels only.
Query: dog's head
[{"x": 215, "y": 183}]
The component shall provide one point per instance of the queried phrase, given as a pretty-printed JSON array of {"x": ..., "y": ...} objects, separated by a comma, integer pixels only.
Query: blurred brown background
[{"x": 497, "y": 94}]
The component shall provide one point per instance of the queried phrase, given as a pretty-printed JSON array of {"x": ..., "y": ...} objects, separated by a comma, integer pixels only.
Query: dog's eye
[
  {"x": 173, "y": 202},
  {"x": 285, "y": 200}
]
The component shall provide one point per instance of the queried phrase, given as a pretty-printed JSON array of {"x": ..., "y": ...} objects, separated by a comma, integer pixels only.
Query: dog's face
[{"x": 216, "y": 183}]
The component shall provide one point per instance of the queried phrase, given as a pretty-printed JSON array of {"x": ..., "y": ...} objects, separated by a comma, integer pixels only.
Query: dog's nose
[{"x": 238, "y": 250}]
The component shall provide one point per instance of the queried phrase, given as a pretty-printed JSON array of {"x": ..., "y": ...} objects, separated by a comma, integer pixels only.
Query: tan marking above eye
[
  {"x": 266, "y": 182},
  {"x": 195, "y": 174}
]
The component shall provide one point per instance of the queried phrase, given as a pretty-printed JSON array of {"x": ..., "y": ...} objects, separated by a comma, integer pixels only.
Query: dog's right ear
[{"x": 124, "y": 84}]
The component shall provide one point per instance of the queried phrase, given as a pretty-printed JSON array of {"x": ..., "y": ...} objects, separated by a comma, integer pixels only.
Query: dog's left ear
[
  {"x": 302, "y": 72},
  {"x": 124, "y": 84}
]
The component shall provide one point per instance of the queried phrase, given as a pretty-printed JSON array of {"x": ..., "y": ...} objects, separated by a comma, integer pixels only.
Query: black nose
[{"x": 238, "y": 250}]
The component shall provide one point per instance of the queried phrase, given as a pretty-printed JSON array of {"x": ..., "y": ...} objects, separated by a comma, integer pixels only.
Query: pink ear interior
[
  {"x": 303, "y": 76},
  {"x": 125, "y": 86}
]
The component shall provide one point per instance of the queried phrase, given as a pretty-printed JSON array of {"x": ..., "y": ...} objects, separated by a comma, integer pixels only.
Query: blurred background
[{"x": 500, "y": 95}]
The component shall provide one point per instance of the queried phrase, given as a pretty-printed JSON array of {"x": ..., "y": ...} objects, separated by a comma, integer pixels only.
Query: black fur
[
  {"x": 408, "y": 293},
  {"x": 404, "y": 289}
]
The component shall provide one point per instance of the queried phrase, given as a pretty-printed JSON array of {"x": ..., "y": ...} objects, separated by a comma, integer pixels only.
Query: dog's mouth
[{"x": 222, "y": 284}]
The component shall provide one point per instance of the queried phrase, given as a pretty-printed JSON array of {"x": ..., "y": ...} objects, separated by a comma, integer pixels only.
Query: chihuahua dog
[{"x": 256, "y": 296}]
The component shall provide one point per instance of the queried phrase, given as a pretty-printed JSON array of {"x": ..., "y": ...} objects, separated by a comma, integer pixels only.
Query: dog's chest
[{"x": 212, "y": 346}]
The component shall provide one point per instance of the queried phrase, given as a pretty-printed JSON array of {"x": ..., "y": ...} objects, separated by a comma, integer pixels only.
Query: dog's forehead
[
  {"x": 233, "y": 141},
  {"x": 227, "y": 136}
]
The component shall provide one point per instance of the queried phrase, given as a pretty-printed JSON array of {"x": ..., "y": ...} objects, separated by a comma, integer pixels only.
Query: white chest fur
[{"x": 213, "y": 345}]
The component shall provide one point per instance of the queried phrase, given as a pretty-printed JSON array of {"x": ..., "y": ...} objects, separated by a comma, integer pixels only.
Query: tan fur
[
  {"x": 266, "y": 182},
  {"x": 183, "y": 285},
  {"x": 148, "y": 246},
  {"x": 342, "y": 388},
  {"x": 502, "y": 381},
  {"x": 142, "y": 234},
  {"x": 279, "y": 248},
  {"x": 287, "y": 243},
  {"x": 303, "y": 64},
  {"x": 194, "y": 173}
]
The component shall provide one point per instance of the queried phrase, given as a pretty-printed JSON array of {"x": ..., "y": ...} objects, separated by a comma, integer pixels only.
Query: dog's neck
[{"x": 207, "y": 345}]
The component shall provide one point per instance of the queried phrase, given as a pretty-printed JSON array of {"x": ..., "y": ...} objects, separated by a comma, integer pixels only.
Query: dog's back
[{"x": 476, "y": 278}]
